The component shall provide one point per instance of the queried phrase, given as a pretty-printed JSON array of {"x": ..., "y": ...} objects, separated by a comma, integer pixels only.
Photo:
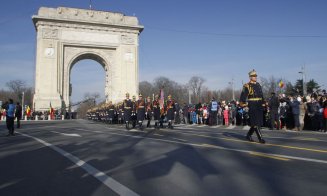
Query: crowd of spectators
[{"x": 280, "y": 112}]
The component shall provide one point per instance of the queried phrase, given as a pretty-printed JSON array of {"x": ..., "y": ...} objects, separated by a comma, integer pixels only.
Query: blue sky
[{"x": 215, "y": 39}]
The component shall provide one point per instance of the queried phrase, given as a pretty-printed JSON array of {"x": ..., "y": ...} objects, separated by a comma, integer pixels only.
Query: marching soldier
[
  {"x": 170, "y": 110},
  {"x": 252, "y": 97},
  {"x": 140, "y": 110},
  {"x": 127, "y": 110},
  {"x": 156, "y": 111},
  {"x": 148, "y": 110},
  {"x": 119, "y": 110},
  {"x": 111, "y": 112},
  {"x": 133, "y": 117}
]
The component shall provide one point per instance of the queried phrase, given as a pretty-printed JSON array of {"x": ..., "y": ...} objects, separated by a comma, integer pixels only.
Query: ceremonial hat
[
  {"x": 253, "y": 73},
  {"x": 127, "y": 94}
]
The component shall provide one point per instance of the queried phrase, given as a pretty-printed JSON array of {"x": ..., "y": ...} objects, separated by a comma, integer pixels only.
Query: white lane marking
[
  {"x": 158, "y": 134},
  {"x": 102, "y": 177},
  {"x": 214, "y": 127},
  {"x": 179, "y": 139},
  {"x": 67, "y": 134},
  {"x": 202, "y": 125},
  {"x": 231, "y": 127}
]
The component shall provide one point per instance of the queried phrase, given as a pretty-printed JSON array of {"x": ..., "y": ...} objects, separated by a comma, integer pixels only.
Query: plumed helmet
[{"x": 253, "y": 73}]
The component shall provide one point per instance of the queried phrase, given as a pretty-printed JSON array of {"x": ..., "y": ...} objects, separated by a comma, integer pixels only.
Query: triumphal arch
[{"x": 68, "y": 35}]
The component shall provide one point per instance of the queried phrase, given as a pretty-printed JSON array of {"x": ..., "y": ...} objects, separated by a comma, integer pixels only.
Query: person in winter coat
[{"x": 295, "y": 105}]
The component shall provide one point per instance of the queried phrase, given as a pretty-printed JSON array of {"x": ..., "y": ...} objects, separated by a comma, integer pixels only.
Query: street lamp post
[
  {"x": 23, "y": 108},
  {"x": 233, "y": 93},
  {"x": 304, "y": 87}
]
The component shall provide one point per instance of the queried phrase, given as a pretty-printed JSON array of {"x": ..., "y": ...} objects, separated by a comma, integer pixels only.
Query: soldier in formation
[
  {"x": 133, "y": 112},
  {"x": 156, "y": 111},
  {"x": 170, "y": 111},
  {"x": 148, "y": 111},
  {"x": 140, "y": 110},
  {"x": 127, "y": 108}
]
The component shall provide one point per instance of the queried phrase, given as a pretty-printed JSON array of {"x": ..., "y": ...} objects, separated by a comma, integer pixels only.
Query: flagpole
[
  {"x": 90, "y": 4},
  {"x": 23, "y": 105}
]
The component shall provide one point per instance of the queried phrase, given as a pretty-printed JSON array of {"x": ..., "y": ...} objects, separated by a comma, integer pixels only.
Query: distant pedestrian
[
  {"x": 295, "y": 105},
  {"x": 10, "y": 117},
  {"x": 273, "y": 108},
  {"x": 226, "y": 115},
  {"x": 186, "y": 114},
  {"x": 18, "y": 114},
  {"x": 325, "y": 114},
  {"x": 213, "y": 110}
]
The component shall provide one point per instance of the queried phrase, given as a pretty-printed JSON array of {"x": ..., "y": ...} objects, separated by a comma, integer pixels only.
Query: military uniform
[
  {"x": 148, "y": 111},
  {"x": 127, "y": 109},
  {"x": 170, "y": 111},
  {"x": 133, "y": 116},
  {"x": 140, "y": 110},
  {"x": 156, "y": 111},
  {"x": 252, "y": 97},
  {"x": 111, "y": 112}
]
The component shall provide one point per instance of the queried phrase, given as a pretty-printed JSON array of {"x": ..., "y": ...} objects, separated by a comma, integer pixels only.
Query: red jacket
[{"x": 325, "y": 112}]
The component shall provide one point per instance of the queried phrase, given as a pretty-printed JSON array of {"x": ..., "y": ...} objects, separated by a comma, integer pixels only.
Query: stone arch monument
[{"x": 68, "y": 35}]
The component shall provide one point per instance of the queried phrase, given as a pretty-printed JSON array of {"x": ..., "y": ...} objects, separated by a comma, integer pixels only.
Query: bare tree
[
  {"x": 88, "y": 103},
  {"x": 17, "y": 87},
  {"x": 195, "y": 85},
  {"x": 146, "y": 89}
]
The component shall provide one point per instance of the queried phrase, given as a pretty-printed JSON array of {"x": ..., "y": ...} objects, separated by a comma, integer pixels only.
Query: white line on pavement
[
  {"x": 102, "y": 177},
  {"x": 67, "y": 134}
]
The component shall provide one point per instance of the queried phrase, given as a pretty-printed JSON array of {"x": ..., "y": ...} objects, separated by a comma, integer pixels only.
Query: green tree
[{"x": 312, "y": 86}]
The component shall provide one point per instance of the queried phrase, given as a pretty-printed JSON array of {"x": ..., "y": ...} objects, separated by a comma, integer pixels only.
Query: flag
[
  {"x": 28, "y": 111},
  {"x": 51, "y": 109},
  {"x": 281, "y": 84},
  {"x": 162, "y": 98}
]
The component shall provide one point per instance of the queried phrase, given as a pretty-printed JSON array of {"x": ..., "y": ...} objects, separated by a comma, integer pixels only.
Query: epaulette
[{"x": 246, "y": 85}]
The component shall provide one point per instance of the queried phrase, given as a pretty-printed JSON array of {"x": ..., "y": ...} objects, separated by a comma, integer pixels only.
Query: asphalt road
[{"x": 79, "y": 157}]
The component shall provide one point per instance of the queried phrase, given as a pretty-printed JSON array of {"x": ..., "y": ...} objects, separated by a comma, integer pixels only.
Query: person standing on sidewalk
[
  {"x": 10, "y": 117},
  {"x": 273, "y": 108},
  {"x": 252, "y": 97},
  {"x": 18, "y": 114}
]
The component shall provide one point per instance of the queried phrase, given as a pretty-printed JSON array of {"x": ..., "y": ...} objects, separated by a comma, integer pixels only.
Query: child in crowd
[{"x": 226, "y": 115}]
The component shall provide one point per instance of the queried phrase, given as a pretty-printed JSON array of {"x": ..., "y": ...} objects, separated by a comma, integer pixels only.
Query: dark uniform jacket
[
  {"x": 140, "y": 109},
  {"x": 252, "y": 97},
  {"x": 156, "y": 109},
  {"x": 127, "y": 108},
  {"x": 148, "y": 110},
  {"x": 111, "y": 111},
  {"x": 170, "y": 109}
]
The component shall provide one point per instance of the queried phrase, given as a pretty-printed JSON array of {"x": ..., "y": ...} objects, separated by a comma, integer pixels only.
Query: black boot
[
  {"x": 249, "y": 134},
  {"x": 259, "y": 135},
  {"x": 127, "y": 125},
  {"x": 148, "y": 125}
]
